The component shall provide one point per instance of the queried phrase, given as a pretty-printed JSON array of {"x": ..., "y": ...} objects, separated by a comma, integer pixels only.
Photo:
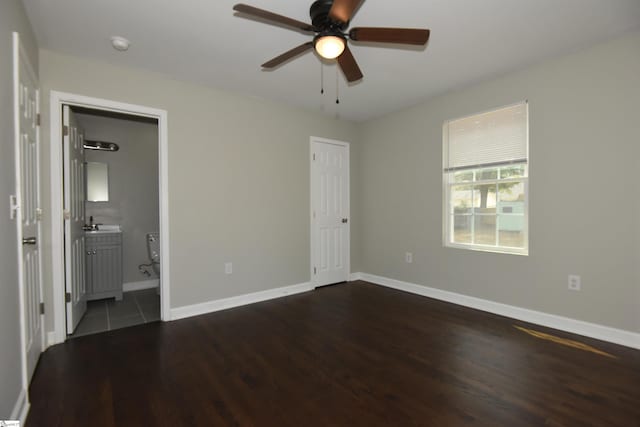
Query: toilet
[{"x": 153, "y": 249}]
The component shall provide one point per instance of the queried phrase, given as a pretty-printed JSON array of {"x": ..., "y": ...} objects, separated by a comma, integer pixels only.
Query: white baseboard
[
  {"x": 138, "y": 286},
  {"x": 21, "y": 408},
  {"x": 592, "y": 330},
  {"x": 51, "y": 339},
  {"x": 355, "y": 276},
  {"x": 237, "y": 301}
]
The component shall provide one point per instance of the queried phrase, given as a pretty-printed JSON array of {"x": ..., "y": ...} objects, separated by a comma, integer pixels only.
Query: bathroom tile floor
[{"x": 136, "y": 307}]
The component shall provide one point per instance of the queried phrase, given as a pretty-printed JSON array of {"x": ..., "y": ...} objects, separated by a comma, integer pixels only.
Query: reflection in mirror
[{"x": 97, "y": 182}]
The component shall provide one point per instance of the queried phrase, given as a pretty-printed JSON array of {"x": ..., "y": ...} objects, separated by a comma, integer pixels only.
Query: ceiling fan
[{"x": 329, "y": 21}]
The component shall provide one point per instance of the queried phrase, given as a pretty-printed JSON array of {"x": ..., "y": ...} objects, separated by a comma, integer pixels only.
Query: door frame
[
  {"x": 58, "y": 99},
  {"x": 313, "y": 194}
]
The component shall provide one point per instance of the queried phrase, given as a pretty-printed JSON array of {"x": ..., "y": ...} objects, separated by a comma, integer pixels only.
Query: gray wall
[
  {"x": 133, "y": 185},
  {"x": 584, "y": 197},
  {"x": 238, "y": 177},
  {"x": 12, "y": 18}
]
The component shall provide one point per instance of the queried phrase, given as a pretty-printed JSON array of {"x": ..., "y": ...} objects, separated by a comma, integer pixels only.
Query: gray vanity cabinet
[{"x": 104, "y": 265}]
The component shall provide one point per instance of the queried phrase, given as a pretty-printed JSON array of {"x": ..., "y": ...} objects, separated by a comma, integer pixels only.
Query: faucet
[{"x": 91, "y": 226}]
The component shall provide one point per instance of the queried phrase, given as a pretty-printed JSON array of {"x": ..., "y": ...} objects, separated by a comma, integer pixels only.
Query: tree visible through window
[{"x": 485, "y": 176}]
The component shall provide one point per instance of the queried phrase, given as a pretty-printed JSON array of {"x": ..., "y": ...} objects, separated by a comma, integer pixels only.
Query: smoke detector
[{"x": 120, "y": 43}]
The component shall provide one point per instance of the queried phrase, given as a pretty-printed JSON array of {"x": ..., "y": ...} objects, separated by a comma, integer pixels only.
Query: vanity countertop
[
  {"x": 105, "y": 229},
  {"x": 102, "y": 232}
]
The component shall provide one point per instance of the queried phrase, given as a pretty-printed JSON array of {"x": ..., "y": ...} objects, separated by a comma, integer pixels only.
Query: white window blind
[{"x": 493, "y": 138}]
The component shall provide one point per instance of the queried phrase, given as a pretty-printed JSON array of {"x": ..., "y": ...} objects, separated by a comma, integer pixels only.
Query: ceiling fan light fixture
[
  {"x": 330, "y": 46},
  {"x": 329, "y": 23}
]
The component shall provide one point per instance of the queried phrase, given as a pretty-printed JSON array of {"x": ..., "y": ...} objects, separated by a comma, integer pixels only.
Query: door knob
[
  {"x": 29, "y": 241},
  {"x": 345, "y": 220}
]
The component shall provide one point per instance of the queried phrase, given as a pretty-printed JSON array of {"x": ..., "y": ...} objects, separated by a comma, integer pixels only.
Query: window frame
[{"x": 448, "y": 183}]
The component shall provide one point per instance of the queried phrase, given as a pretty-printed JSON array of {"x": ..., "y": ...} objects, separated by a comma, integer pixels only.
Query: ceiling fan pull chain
[
  {"x": 337, "y": 88},
  {"x": 321, "y": 79}
]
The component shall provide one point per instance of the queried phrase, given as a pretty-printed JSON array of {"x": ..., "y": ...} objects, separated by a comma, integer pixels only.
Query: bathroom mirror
[{"x": 97, "y": 182}]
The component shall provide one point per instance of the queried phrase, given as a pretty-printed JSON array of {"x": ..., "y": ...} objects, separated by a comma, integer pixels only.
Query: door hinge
[
  {"x": 65, "y": 130},
  {"x": 67, "y": 297},
  {"x": 314, "y": 270},
  {"x": 314, "y": 156},
  {"x": 41, "y": 308},
  {"x": 38, "y": 119},
  {"x": 66, "y": 214},
  {"x": 39, "y": 214}
]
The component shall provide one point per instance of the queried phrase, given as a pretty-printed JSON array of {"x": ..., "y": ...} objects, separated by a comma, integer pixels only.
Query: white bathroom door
[
  {"x": 74, "y": 220},
  {"x": 29, "y": 216},
  {"x": 329, "y": 212}
]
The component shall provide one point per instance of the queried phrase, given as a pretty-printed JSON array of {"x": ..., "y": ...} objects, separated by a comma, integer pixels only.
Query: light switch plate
[
  {"x": 408, "y": 257},
  {"x": 13, "y": 206}
]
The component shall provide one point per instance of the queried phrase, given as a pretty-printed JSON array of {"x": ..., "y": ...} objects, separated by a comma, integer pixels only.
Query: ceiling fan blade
[
  {"x": 390, "y": 35},
  {"x": 288, "y": 55},
  {"x": 343, "y": 10},
  {"x": 349, "y": 65},
  {"x": 273, "y": 17}
]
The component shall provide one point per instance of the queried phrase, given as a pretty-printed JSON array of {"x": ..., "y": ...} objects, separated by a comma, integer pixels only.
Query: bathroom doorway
[
  {"x": 121, "y": 221},
  {"x": 114, "y": 207}
]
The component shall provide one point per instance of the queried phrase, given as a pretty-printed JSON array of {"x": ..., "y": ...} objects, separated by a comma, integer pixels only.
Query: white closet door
[
  {"x": 330, "y": 211},
  {"x": 28, "y": 193}
]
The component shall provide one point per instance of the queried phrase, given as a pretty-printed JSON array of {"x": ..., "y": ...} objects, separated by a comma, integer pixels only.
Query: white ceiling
[{"x": 203, "y": 42}]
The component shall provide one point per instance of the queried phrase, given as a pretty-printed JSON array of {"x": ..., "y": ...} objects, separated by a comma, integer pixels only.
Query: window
[{"x": 486, "y": 181}]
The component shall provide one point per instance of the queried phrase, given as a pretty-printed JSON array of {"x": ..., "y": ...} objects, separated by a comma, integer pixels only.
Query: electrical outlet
[
  {"x": 574, "y": 282},
  {"x": 408, "y": 257},
  {"x": 228, "y": 268}
]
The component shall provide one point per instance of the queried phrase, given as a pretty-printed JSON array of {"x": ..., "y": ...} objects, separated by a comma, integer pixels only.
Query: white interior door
[
  {"x": 74, "y": 197},
  {"x": 28, "y": 193},
  {"x": 329, "y": 212}
]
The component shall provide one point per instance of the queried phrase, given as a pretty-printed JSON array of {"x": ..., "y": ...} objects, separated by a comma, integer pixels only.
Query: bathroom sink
[{"x": 105, "y": 228}]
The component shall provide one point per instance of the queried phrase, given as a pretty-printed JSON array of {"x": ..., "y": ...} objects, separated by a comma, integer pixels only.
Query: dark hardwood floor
[{"x": 352, "y": 354}]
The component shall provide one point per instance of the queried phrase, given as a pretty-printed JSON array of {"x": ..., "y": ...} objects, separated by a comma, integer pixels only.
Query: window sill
[{"x": 491, "y": 249}]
